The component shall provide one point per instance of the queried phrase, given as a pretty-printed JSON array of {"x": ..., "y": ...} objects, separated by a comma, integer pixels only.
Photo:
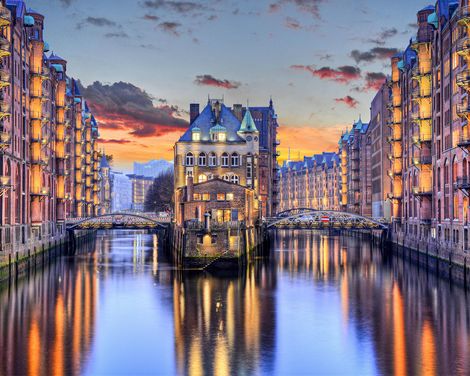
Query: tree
[{"x": 160, "y": 194}]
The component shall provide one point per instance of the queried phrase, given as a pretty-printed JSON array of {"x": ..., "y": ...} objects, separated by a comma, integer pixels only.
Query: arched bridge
[
  {"x": 305, "y": 218},
  {"x": 127, "y": 221}
]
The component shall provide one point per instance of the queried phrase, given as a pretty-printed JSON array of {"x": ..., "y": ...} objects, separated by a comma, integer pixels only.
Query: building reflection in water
[
  {"x": 419, "y": 323},
  {"x": 47, "y": 320},
  {"x": 414, "y": 322}
]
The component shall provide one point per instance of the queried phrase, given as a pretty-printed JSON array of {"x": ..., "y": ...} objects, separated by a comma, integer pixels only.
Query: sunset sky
[{"x": 142, "y": 62}]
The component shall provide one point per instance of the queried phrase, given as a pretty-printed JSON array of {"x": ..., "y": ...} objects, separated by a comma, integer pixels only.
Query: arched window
[
  {"x": 210, "y": 177},
  {"x": 454, "y": 169},
  {"x": 212, "y": 160},
  {"x": 438, "y": 179},
  {"x": 234, "y": 179},
  {"x": 189, "y": 159},
  {"x": 446, "y": 172},
  {"x": 464, "y": 168},
  {"x": 202, "y": 178},
  {"x": 224, "y": 160},
  {"x": 235, "y": 160},
  {"x": 202, "y": 159},
  {"x": 226, "y": 177}
]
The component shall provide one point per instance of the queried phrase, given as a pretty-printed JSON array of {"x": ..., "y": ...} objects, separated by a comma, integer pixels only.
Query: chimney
[
  {"x": 238, "y": 111},
  {"x": 189, "y": 189},
  {"x": 193, "y": 112}
]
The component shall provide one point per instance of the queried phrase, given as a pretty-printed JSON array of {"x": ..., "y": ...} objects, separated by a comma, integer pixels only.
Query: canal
[{"x": 321, "y": 304}]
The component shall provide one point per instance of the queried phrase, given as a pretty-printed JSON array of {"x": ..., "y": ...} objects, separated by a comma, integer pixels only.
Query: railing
[
  {"x": 463, "y": 45},
  {"x": 462, "y": 183},
  {"x": 38, "y": 94},
  {"x": 464, "y": 12},
  {"x": 463, "y": 109},
  {"x": 45, "y": 191},
  {"x": 422, "y": 191},
  {"x": 422, "y": 160},
  {"x": 463, "y": 78},
  {"x": 464, "y": 140}
]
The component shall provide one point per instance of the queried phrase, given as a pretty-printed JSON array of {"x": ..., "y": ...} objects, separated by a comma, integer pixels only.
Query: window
[
  {"x": 234, "y": 179},
  {"x": 235, "y": 160},
  {"x": 189, "y": 159},
  {"x": 226, "y": 177},
  {"x": 225, "y": 160},
  {"x": 220, "y": 196},
  {"x": 202, "y": 178},
  {"x": 206, "y": 197},
  {"x": 196, "y": 135},
  {"x": 196, "y": 197},
  {"x": 222, "y": 136},
  {"x": 229, "y": 197},
  {"x": 212, "y": 160},
  {"x": 202, "y": 159}
]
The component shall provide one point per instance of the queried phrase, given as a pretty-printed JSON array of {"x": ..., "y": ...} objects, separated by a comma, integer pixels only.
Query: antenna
[{"x": 288, "y": 156}]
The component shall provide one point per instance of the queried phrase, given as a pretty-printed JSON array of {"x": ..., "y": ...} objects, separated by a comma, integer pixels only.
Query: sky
[{"x": 142, "y": 62}]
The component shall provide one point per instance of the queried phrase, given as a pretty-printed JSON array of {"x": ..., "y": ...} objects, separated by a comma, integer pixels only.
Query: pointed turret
[{"x": 248, "y": 124}]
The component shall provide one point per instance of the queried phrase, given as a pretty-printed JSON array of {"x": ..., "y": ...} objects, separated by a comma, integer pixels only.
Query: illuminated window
[
  {"x": 189, "y": 159},
  {"x": 196, "y": 134},
  {"x": 206, "y": 197},
  {"x": 220, "y": 196},
  {"x": 222, "y": 136},
  {"x": 197, "y": 197},
  {"x": 229, "y": 196},
  {"x": 225, "y": 160},
  {"x": 202, "y": 178},
  {"x": 212, "y": 160},
  {"x": 235, "y": 160},
  {"x": 202, "y": 159}
]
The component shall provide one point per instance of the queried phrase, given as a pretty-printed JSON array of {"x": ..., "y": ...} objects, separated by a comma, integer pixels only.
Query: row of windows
[
  {"x": 232, "y": 178},
  {"x": 218, "y": 196},
  {"x": 211, "y": 160}
]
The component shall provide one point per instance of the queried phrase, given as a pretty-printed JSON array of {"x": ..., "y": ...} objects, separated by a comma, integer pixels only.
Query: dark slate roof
[
  {"x": 104, "y": 161},
  {"x": 53, "y": 56},
  {"x": 206, "y": 120}
]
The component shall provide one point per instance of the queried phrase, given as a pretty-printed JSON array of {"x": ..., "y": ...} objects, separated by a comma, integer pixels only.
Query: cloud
[
  {"x": 151, "y": 17},
  {"x": 182, "y": 7},
  {"x": 384, "y": 35},
  {"x": 114, "y": 141},
  {"x": 376, "y": 53},
  {"x": 170, "y": 28},
  {"x": 373, "y": 82},
  {"x": 117, "y": 34},
  {"x": 209, "y": 80},
  {"x": 292, "y": 23},
  {"x": 96, "y": 21},
  {"x": 306, "y": 6},
  {"x": 343, "y": 74},
  {"x": 66, "y": 3},
  {"x": 123, "y": 106},
  {"x": 348, "y": 100}
]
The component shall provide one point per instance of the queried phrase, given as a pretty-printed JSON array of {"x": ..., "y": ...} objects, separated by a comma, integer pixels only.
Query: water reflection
[{"x": 322, "y": 304}]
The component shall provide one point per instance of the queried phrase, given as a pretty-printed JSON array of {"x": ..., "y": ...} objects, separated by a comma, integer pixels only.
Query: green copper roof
[
  {"x": 218, "y": 128},
  {"x": 248, "y": 124},
  {"x": 401, "y": 65},
  {"x": 433, "y": 20},
  {"x": 28, "y": 21},
  {"x": 196, "y": 129}
]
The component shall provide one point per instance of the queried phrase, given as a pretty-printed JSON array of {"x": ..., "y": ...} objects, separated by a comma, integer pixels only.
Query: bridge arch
[
  {"x": 95, "y": 221},
  {"x": 313, "y": 218}
]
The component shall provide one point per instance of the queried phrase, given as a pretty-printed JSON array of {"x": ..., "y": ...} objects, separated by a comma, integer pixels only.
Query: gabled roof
[{"x": 206, "y": 120}]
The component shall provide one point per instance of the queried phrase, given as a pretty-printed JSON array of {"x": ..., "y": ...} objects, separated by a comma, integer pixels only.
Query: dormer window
[
  {"x": 196, "y": 134},
  {"x": 218, "y": 133}
]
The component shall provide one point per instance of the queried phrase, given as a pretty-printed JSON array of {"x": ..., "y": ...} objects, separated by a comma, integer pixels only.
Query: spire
[
  {"x": 271, "y": 101},
  {"x": 248, "y": 124}
]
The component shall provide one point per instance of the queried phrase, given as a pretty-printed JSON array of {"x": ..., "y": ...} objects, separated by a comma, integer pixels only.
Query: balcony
[
  {"x": 463, "y": 109},
  {"x": 422, "y": 160},
  {"x": 4, "y": 109},
  {"x": 464, "y": 141},
  {"x": 40, "y": 161},
  {"x": 276, "y": 143},
  {"x": 421, "y": 68},
  {"x": 394, "y": 138},
  {"x": 462, "y": 183},
  {"x": 393, "y": 157},
  {"x": 5, "y": 140},
  {"x": 4, "y": 47},
  {"x": 4, "y": 78},
  {"x": 422, "y": 191},
  {"x": 5, "y": 17},
  {"x": 463, "y": 15},
  {"x": 463, "y": 46},
  {"x": 463, "y": 78},
  {"x": 44, "y": 192}
]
